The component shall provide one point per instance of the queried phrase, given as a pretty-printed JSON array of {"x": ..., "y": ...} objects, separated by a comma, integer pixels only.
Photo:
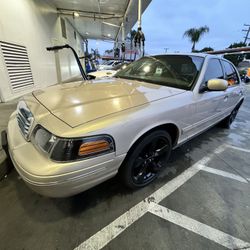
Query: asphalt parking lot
[{"x": 201, "y": 201}]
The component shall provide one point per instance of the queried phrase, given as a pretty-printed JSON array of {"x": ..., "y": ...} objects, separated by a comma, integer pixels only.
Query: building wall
[{"x": 36, "y": 25}]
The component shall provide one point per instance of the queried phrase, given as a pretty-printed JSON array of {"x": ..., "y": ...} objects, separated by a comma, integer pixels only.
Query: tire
[
  {"x": 145, "y": 159},
  {"x": 226, "y": 123},
  {"x": 4, "y": 164}
]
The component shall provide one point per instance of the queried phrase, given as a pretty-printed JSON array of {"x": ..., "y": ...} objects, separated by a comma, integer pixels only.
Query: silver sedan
[{"x": 67, "y": 138}]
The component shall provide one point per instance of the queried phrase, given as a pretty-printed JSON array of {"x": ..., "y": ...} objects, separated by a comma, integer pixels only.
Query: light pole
[
  {"x": 247, "y": 33},
  {"x": 166, "y": 50}
]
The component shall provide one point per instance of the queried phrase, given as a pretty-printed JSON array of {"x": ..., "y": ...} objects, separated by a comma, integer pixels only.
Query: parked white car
[
  {"x": 108, "y": 65},
  {"x": 100, "y": 74},
  {"x": 70, "y": 137}
]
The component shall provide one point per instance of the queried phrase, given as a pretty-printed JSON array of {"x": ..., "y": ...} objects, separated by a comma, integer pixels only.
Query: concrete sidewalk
[{"x": 5, "y": 111}]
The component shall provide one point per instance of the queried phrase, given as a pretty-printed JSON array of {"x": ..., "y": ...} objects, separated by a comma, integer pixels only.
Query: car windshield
[
  {"x": 178, "y": 71},
  {"x": 120, "y": 66}
]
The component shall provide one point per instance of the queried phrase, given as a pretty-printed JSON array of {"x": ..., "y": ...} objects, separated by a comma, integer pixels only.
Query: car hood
[{"x": 81, "y": 102}]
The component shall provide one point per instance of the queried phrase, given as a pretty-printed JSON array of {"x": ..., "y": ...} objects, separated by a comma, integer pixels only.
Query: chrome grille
[{"x": 25, "y": 119}]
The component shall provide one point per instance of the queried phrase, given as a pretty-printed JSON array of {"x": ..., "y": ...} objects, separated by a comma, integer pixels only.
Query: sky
[{"x": 165, "y": 21}]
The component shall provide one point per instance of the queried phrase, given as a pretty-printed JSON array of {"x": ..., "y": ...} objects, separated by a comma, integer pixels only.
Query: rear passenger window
[
  {"x": 214, "y": 70},
  {"x": 231, "y": 74}
]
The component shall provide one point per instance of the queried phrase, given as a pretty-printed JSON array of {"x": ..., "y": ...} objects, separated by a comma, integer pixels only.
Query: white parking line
[
  {"x": 112, "y": 230},
  {"x": 108, "y": 233},
  {"x": 199, "y": 228},
  {"x": 240, "y": 149},
  {"x": 222, "y": 173}
]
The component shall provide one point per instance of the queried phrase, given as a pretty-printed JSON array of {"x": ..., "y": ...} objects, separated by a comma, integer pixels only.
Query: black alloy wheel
[
  {"x": 146, "y": 159},
  {"x": 233, "y": 116}
]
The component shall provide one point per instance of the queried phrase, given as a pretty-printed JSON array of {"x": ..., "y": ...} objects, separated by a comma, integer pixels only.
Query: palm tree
[{"x": 195, "y": 35}]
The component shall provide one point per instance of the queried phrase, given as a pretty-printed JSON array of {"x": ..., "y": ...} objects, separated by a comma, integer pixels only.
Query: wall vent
[
  {"x": 18, "y": 65},
  {"x": 63, "y": 28}
]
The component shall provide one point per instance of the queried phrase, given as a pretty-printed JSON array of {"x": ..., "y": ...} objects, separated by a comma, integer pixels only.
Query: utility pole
[
  {"x": 247, "y": 33},
  {"x": 166, "y": 50}
]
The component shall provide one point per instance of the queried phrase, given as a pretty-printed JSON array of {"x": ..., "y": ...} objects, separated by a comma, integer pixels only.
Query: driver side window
[{"x": 214, "y": 70}]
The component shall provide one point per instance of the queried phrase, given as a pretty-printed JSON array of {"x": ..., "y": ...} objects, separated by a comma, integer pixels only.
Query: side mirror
[{"x": 217, "y": 84}]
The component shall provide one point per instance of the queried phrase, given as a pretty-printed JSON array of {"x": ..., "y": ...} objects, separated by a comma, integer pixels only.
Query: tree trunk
[{"x": 193, "y": 47}]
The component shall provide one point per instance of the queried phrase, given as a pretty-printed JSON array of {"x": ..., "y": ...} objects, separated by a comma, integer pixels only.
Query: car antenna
[{"x": 67, "y": 46}]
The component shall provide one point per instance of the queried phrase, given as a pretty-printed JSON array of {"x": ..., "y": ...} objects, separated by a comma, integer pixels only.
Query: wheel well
[
  {"x": 171, "y": 128},
  {"x": 240, "y": 103}
]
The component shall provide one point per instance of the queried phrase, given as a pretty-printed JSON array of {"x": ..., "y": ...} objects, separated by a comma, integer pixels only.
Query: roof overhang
[
  {"x": 100, "y": 19},
  {"x": 229, "y": 51}
]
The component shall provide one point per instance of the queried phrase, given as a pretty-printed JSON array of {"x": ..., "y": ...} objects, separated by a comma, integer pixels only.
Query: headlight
[
  {"x": 44, "y": 139},
  {"x": 63, "y": 149}
]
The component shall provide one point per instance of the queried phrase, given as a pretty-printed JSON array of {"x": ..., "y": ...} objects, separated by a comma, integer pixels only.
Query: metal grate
[
  {"x": 24, "y": 118},
  {"x": 18, "y": 65},
  {"x": 63, "y": 28}
]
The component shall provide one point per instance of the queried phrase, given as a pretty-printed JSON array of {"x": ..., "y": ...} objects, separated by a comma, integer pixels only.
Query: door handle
[{"x": 225, "y": 98}]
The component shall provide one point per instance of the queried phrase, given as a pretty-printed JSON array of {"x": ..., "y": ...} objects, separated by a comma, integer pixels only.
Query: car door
[
  {"x": 234, "y": 91},
  {"x": 209, "y": 104}
]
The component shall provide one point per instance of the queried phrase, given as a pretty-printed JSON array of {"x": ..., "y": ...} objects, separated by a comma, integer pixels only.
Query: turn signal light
[{"x": 93, "y": 147}]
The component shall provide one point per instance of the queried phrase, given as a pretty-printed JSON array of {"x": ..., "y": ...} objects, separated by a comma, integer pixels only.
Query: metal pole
[
  {"x": 248, "y": 31},
  {"x": 123, "y": 40},
  {"x": 58, "y": 67},
  {"x": 83, "y": 55},
  {"x": 246, "y": 37},
  {"x": 125, "y": 15},
  {"x": 139, "y": 13},
  {"x": 166, "y": 50},
  {"x": 123, "y": 33}
]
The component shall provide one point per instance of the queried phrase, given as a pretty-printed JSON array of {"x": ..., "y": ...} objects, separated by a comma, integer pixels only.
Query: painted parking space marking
[
  {"x": 115, "y": 228},
  {"x": 199, "y": 228},
  {"x": 108, "y": 233},
  {"x": 222, "y": 173},
  {"x": 112, "y": 230},
  {"x": 239, "y": 149}
]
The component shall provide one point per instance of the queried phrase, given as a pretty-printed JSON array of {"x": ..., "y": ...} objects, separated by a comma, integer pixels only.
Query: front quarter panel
[{"x": 128, "y": 126}]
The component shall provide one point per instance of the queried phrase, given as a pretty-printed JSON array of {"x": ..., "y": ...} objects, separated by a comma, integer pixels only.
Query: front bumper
[{"x": 57, "y": 179}]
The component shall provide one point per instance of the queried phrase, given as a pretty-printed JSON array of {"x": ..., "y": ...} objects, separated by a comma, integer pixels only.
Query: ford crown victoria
[{"x": 70, "y": 137}]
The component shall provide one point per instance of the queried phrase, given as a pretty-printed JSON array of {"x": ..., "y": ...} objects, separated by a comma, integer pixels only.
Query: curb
[{"x": 4, "y": 168}]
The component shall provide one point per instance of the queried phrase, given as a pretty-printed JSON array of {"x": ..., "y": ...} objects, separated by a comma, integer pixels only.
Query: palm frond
[{"x": 194, "y": 34}]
